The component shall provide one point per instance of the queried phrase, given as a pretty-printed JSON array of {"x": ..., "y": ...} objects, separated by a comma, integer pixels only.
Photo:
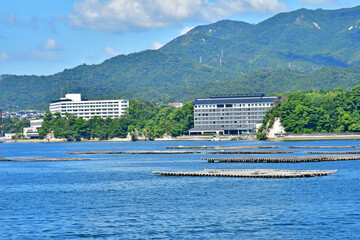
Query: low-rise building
[
  {"x": 176, "y": 104},
  {"x": 73, "y": 104},
  {"x": 230, "y": 114},
  {"x": 9, "y": 136},
  {"x": 28, "y": 114},
  {"x": 33, "y": 130}
]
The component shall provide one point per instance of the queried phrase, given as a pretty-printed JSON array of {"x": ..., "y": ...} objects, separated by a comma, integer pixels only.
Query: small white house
[{"x": 9, "y": 136}]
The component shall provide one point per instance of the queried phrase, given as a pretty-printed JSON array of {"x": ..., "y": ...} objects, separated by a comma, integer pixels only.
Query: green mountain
[
  {"x": 302, "y": 39},
  {"x": 299, "y": 50},
  {"x": 147, "y": 75}
]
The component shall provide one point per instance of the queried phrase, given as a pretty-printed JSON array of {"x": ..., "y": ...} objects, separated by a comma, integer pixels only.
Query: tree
[{"x": 153, "y": 121}]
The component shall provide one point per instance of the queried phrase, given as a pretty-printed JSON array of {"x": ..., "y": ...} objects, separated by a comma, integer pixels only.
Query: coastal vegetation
[
  {"x": 15, "y": 125},
  {"x": 312, "y": 111},
  {"x": 143, "y": 119},
  {"x": 316, "y": 112}
]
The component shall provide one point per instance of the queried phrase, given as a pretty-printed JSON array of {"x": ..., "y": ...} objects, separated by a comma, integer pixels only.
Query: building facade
[
  {"x": 33, "y": 130},
  {"x": 231, "y": 114},
  {"x": 73, "y": 104}
]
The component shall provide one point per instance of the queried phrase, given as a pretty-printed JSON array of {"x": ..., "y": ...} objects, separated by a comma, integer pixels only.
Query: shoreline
[
  {"x": 302, "y": 137},
  {"x": 310, "y": 137}
]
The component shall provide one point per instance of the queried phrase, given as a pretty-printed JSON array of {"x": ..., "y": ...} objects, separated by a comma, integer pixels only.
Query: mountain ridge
[{"x": 211, "y": 59}]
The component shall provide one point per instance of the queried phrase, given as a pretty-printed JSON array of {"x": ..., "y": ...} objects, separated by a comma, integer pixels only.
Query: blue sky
[{"x": 43, "y": 37}]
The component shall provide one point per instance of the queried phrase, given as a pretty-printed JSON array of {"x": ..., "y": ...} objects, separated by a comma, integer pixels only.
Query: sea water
[{"x": 118, "y": 197}]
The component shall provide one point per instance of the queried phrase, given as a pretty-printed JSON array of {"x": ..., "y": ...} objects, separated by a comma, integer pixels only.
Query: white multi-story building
[
  {"x": 232, "y": 114},
  {"x": 73, "y": 104}
]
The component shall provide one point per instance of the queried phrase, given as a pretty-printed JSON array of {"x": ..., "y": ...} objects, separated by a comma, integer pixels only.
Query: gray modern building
[{"x": 231, "y": 114}]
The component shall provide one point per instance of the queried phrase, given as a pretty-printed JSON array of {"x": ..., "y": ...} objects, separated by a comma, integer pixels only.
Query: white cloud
[
  {"x": 51, "y": 44},
  {"x": 156, "y": 45},
  {"x": 131, "y": 15},
  {"x": 111, "y": 51},
  {"x": 43, "y": 52},
  {"x": 3, "y": 56},
  {"x": 185, "y": 30},
  {"x": 318, "y": 2}
]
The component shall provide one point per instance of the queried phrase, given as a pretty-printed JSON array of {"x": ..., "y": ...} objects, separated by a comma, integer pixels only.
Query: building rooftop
[
  {"x": 76, "y": 97},
  {"x": 239, "y": 95},
  {"x": 238, "y": 98}
]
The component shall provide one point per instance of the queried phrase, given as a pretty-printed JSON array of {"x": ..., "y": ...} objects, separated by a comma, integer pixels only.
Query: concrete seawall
[{"x": 316, "y": 136}]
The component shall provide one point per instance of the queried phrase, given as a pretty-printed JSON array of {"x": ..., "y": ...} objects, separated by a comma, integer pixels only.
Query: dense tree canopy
[
  {"x": 15, "y": 125},
  {"x": 318, "y": 111},
  {"x": 144, "y": 117}
]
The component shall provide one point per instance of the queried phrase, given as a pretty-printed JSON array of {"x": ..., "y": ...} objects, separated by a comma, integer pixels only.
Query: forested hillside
[
  {"x": 318, "y": 111},
  {"x": 299, "y": 50},
  {"x": 302, "y": 39}
]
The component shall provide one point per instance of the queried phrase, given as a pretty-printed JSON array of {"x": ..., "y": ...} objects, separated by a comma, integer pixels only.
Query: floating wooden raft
[
  {"x": 315, "y": 158},
  {"x": 222, "y": 147},
  {"x": 251, "y": 173},
  {"x": 41, "y": 159},
  {"x": 347, "y": 146},
  {"x": 253, "y": 152},
  {"x": 136, "y": 152},
  {"x": 334, "y": 152}
]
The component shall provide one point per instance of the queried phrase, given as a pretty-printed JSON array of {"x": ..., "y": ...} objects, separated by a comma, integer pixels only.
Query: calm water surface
[{"x": 118, "y": 197}]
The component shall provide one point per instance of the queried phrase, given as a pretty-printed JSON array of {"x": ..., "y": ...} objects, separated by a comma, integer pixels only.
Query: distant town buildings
[
  {"x": 73, "y": 104},
  {"x": 176, "y": 104},
  {"x": 231, "y": 114},
  {"x": 28, "y": 114}
]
